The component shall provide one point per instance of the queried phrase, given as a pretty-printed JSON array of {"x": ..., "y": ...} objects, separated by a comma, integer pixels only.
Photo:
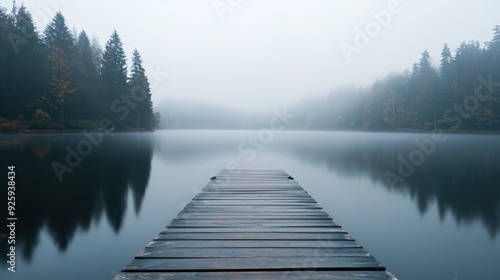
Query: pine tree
[
  {"x": 413, "y": 83},
  {"x": 424, "y": 64},
  {"x": 466, "y": 60},
  {"x": 66, "y": 77},
  {"x": 494, "y": 45},
  {"x": 57, "y": 34},
  {"x": 446, "y": 64},
  {"x": 447, "y": 81},
  {"x": 4, "y": 49},
  {"x": 423, "y": 86},
  {"x": 114, "y": 74},
  {"x": 28, "y": 68},
  {"x": 9, "y": 104},
  {"x": 85, "y": 55},
  {"x": 87, "y": 104},
  {"x": 487, "y": 116},
  {"x": 139, "y": 84},
  {"x": 447, "y": 73},
  {"x": 494, "y": 48}
]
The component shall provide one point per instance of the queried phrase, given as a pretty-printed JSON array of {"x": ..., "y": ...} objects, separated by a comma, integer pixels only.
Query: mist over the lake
[
  {"x": 283, "y": 139},
  {"x": 265, "y": 54}
]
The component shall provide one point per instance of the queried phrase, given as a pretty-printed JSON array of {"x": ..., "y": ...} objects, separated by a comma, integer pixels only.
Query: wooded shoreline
[
  {"x": 13, "y": 127},
  {"x": 23, "y": 127}
]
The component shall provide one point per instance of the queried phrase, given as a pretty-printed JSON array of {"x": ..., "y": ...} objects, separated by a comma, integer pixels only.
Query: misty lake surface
[{"x": 436, "y": 219}]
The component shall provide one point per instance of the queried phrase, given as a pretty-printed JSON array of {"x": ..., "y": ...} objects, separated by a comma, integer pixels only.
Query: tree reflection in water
[
  {"x": 99, "y": 185},
  {"x": 461, "y": 176}
]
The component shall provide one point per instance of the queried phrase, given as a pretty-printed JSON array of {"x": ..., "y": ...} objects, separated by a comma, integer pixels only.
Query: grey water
[{"x": 425, "y": 207}]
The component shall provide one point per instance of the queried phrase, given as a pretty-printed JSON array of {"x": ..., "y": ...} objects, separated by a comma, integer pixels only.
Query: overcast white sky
[{"x": 269, "y": 53}]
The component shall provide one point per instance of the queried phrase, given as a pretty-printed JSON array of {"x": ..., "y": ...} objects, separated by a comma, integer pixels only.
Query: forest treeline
[
  {"x": 463, "y": 93},
  {"x": 62, "y": 79}
]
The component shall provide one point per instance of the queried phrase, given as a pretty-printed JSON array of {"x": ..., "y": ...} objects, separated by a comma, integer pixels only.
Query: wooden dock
[{"x": 253, "y": 224}]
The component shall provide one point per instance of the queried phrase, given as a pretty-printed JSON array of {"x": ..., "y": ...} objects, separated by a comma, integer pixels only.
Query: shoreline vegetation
[
  {"x": 8, "y": 127},
  {"x": 23, "y": 127},
  {"x": 62, "y": 80},
  {"x": 461, "y": 94}
]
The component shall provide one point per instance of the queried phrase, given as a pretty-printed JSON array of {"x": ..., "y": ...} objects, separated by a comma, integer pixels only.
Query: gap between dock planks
[{"x": 253, "y": 224}]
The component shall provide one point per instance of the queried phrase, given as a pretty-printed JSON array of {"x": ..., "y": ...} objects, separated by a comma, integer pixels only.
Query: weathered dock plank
[
  {"x": 259, "y": 229},
  {"x": 253, "y": 224},
  {"x": 252, "y": 244},
  {"x": 368, "y": 263},
  {"x": 260, "y": 275},
  {"x": 253, "y": 236},
  {"x": 251, "y": 253}
]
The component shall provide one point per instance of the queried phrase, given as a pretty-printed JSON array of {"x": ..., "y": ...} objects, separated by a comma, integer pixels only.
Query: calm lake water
[{"x": 434, "y": 216}]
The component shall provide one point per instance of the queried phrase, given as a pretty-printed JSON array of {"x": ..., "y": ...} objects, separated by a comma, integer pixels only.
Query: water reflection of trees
[
  {"x": 461, "y": 176},
  {"x": 97, "y": 187}
]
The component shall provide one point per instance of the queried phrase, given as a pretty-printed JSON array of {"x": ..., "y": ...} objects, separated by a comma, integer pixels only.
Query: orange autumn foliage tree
[{"x": 60, "y": 85}]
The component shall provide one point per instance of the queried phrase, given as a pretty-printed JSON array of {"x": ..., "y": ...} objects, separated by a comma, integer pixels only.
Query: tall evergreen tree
[
  {"x": 466, "y": 62},
  {"x": 429, "y": 80},
  {"x": 87, "y": 104},
  {"x": 447, "y": 82},
  {"x": 139, "y": 84},
  {"x": 487, "y": 116},
  {"x": 57, "y": 34},
  {"x": 67, "y": 75},
  {"x": 21, "y": 72},
  {"x": 447, "y": 73},
  {"x": 7, "y": 61},
  {"x": 494, "y": 44},
  {"x": 85, "y": 56},
  {"x": 446, "y": 64},
  {"x": 114, "y": 75},
  {"x": 424, "y": 64},
  {"x": 28, "y": 69},
  {"x": 422, "y": 86},
  {"x": 413, "y": 84},
  {"x": 492, "y": 55}
]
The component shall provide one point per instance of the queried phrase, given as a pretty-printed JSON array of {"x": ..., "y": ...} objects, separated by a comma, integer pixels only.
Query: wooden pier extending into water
[{"x": 253, "y": 224}]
